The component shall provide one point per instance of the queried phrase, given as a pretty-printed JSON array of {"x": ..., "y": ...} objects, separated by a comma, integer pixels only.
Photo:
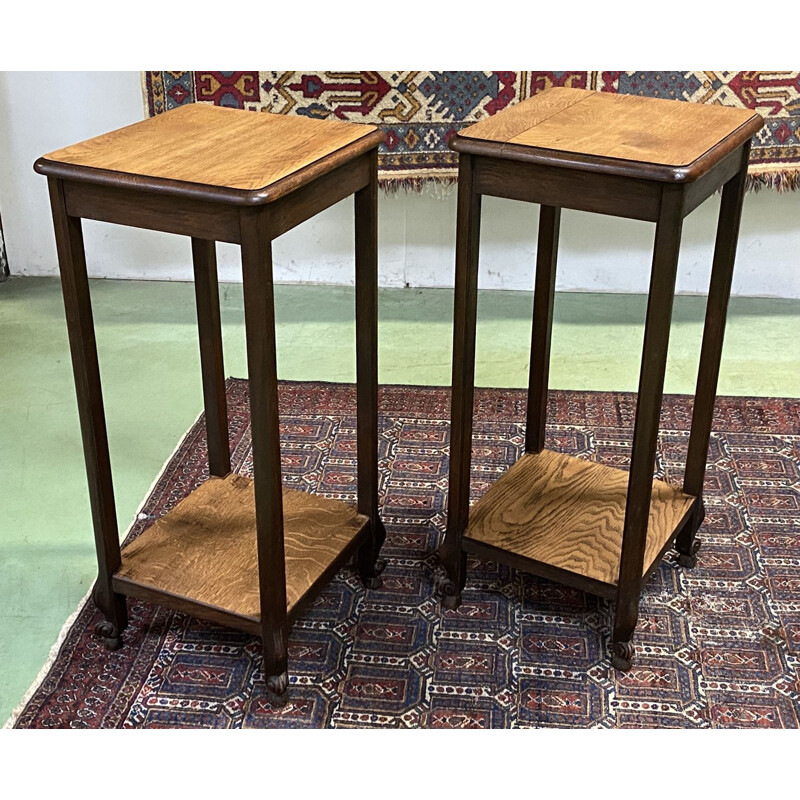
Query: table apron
[
  {"x": 700, "y": 190},
  {"x": 307, "y": 201},
  {"x": 615, "y": 195},
  {"x": 206, "y": 219},
  {"x": 157, "y": 212}
]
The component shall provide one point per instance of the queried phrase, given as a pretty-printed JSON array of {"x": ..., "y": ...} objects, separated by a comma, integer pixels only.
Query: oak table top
[
  {"x": 625, "y": 134},
  {"x": 241, "y": 157}
]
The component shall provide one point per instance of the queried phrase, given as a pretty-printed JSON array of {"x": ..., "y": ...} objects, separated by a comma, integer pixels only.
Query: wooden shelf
[
  {"x": 202, "y": 555},
  {"x": 567, "y": 514}
]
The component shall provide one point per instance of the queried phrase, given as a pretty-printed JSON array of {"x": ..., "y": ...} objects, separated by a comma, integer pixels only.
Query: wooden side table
[
  {"x": 240, "y": 552},
  {"x": 581, "y": 523}
]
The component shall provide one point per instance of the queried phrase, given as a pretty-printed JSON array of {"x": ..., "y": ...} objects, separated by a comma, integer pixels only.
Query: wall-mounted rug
[
  {"x": 421, "y": 110},
  {"x": 717, "y": 646}
]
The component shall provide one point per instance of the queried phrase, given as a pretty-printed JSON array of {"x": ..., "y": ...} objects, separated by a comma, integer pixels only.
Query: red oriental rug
[
  {"x": 717, "y": 647},
  {"x": 421, "y": 110}
]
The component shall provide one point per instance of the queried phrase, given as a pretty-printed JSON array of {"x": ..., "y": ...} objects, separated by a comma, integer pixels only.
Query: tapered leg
[
  {"x": 83, "y": 348},
  {"x": 730, "y": 214},
  {"x": 366, "y": 216},
  {"x": 544, "y": 294},
  {"x": 211, "y": 360},
  {"x": 464, "y": 320},
  {"x": 645, "y": 434},
  {"x": 262, "y": 371}
]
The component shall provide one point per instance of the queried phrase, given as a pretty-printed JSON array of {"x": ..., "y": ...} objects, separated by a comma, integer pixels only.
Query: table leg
[
  {"x": 648, "y": 410},
  {"x": 259, "y": 314},
  {"x": 211, "y": 360},
  {"x": 83, "y": 348},
  {"x": 366, "y": 237},
  {"x": 730, "y": 214},
  {"x": 464, "y": 321},
  {"x": 544, "y": 294}
]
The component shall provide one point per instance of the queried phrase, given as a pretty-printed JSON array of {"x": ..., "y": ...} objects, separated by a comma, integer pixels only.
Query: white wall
[{"x": 45, "y": 110}]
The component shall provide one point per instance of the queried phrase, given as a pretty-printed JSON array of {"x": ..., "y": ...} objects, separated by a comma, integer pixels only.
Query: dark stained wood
[
  {"x": 225, "y": 155},
  {"x": 186, "y": 605},
  {"x": 315, "y": 197},
  {"x": 204, "y": 260},
  {"x": 542, "y": 569},
  {"x": 713, "y": 335},
  {"x": 700, "y": 190},
  {"x": 648, "y": 411},
  {"x": 86, "y": 371},
  {"x": 263, "y": 383},
  {"x": 205, "y": 549},
  {"x": 141, "y": 209},
  {"x": 537, "y": 183},
  {"x": 575, "y": 149},
  {"x": 663, "y": 140},
  {"x": 569, "y": 513},
  {"x": 544, "y": 294},
  {"x": 366, "y": 241},
  {"x": 688, "y": 521},
  {"x": 228, "y": 563},
  {"x": 464, "y": 319}
]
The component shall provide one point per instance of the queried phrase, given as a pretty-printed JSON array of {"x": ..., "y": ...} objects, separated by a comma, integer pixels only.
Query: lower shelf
[
  {"x": 567, "y": 514},
  {"x": 202, "y": 555}
]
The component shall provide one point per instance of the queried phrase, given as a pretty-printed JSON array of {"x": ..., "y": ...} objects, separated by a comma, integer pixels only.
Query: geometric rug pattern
[
  {"x": 421, "y": 110},
  {"x": 717, "y": 646}
]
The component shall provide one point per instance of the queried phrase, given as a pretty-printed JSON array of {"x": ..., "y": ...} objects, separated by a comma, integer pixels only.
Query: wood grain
[
  {"x": 515, "y": 120},
  {"x": 215, "y": 146},
  {"x": 562, "y": 511},
  {"x": 205, "y": 547},
  {"x": 627, "y": 128}
]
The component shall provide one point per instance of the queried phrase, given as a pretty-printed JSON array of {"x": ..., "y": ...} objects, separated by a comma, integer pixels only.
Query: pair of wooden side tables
[{"x": 250, "y": 554}]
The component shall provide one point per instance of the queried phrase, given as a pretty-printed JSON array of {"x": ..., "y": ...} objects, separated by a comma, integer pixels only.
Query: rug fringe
[
  {"x": 65, "y": 628},
  {"x": 787, "y": 180},
  {"x": 441, "y": 186}
]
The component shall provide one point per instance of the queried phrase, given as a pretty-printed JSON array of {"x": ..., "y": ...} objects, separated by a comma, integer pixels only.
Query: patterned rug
[
  {"x": 420, "y": 111},
  {"x": 718, "y": 646}
]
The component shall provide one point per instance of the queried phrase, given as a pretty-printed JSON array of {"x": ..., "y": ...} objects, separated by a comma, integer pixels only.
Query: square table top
[
  {"x": 258, "y": 155},
  {"x": 599, "y": 131}
]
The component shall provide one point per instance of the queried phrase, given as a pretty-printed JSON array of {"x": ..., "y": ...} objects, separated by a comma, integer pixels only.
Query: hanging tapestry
[{"x": 421, "y": 110}]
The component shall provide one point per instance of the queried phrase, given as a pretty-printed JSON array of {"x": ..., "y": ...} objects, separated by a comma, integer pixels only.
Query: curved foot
[
  {"x": 108, "y": 632},
  {"x": 451, "y": 595},
  {"x": 622, "y": 655},
  {"x": 689, "y": 560},
  {"x": 277, "y": 689},
  {"x": 451, "y": 586},
  {"x": 372, "y": 579}
]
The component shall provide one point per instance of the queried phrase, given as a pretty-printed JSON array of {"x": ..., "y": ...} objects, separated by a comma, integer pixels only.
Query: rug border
[{"x": 55, "y": 649}]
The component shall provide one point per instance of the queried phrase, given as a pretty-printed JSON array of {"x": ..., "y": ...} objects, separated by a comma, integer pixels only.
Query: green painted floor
[{"x": 150, "y": 368}]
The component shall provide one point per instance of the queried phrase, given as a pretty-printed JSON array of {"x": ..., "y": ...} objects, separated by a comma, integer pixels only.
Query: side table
[
  {"x": 237, "y": 551},
  {"x": 577, "y": 522}
]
